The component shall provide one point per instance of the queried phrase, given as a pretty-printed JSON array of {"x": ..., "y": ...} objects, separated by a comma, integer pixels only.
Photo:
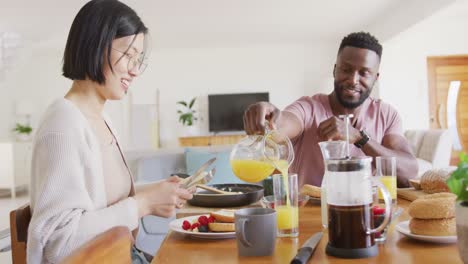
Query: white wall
[
  {"x": 179, "y": 74},
  {"x": 183, "y": 73},
  {"x": 34, "y": 77},
  {"x": 403, "y": 80}
]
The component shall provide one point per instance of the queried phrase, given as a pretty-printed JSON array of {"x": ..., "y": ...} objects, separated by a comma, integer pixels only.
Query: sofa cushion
[
  {"x": 156, "y": 165},
  {"x": 424, "y": 166},
  {"x": 196, "y": 157},
  {"x": 436, "y": 148},
  {"x": 415, "y": 138}
]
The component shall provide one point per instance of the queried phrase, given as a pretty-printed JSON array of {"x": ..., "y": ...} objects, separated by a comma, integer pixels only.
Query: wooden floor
[{"x": 6, "y": 205}]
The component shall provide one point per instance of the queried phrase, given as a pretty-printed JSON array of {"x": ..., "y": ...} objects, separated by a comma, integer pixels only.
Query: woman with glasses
[{"x": 81, "y": 185}]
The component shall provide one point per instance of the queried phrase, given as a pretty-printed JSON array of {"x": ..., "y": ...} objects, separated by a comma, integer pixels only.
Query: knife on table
[
  {"x": 189, "y": 180},
  {"x": 307, "y": 249}
]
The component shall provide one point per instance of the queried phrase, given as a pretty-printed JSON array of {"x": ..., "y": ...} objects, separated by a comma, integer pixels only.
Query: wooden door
[{"x": 442, "y": 72}]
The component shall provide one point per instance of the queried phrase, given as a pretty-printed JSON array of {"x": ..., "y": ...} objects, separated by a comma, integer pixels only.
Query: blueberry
[{"x": 203, "y": 229}]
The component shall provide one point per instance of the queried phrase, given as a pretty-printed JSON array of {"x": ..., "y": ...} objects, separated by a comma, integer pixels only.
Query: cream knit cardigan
[{"x": 68, "y": 196}]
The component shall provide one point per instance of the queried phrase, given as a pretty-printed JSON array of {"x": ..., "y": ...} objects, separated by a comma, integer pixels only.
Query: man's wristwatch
[{"x": 363, "y": 141}]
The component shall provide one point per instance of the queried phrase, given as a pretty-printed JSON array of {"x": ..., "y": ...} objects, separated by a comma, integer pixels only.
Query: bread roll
[
  {"x": 433, "y": 206},
  {"x": 311, "y": 190},
  {"x": 433, "y": 227},
  {"x": 434, "y": 181}
]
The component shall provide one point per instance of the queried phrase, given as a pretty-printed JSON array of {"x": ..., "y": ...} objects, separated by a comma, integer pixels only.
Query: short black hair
[
  {"x": 362, "y": 40},
  {"x": 94, "y": 28}
]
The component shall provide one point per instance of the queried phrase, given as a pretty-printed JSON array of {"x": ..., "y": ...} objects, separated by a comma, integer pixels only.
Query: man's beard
[{"x": 347, "y": 104}]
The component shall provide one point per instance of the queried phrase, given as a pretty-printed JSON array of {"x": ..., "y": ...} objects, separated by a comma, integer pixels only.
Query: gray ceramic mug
[{"x": 256, "y": 231}]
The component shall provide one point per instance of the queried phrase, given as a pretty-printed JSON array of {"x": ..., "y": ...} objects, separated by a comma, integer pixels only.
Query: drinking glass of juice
[
  {"x": 386, "y": 172},
  {"x": 286, "y": 204}
]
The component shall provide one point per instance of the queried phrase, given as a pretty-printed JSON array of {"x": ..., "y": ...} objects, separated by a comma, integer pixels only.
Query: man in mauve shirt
[{"x": 375, "y": 130}]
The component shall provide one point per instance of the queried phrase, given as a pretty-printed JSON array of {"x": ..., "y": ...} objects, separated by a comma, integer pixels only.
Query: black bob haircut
[
  {"x": 94, "y": 28},
  {"x": 362, "y": 40}
]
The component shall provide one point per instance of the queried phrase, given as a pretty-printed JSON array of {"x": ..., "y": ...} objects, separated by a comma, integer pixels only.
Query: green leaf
[
  {"x": 463, "y": 158},
  {"x": 187, "y": 118},
  {"x": 22, "y": 129},
  {"x": 454, "y": 185},
  {"x": 458, "y": 181},
  {"x": 179, "y": 112},
  {"x": 182, "y": 103},
  {"x": 464, "y": 193},
  {"x": 192, "y": 102}
]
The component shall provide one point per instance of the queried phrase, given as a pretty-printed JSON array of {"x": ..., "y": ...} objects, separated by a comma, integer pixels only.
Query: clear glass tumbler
[{"x": 286, "y": 204}]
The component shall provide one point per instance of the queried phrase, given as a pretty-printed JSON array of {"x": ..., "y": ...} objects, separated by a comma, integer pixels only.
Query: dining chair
[
  {"x": 19, "y": 223},
  {"x": 112, "y": 246}
]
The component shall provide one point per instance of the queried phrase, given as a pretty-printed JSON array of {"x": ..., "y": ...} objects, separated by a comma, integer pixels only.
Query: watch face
[{"x": 364, "y": 134}]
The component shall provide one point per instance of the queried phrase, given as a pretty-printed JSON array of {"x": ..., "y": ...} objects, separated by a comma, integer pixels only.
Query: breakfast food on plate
[
  {"x": 433, "y": 227},
  {"x": 223, "y": 216},
  {"x": 433, "y": 215},
  {"x": 434, "y": 181},
  {"x": 416, "y": 183},
  {"x": 311, "y": 190},
  {"x": 218, "y": 221},
  {"x": 433, "y": 206},
  {"x": 221, "y": 227}
]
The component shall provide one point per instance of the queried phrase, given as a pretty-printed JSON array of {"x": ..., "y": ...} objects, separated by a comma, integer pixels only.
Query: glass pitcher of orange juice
[{"x": 255, "y": 157}]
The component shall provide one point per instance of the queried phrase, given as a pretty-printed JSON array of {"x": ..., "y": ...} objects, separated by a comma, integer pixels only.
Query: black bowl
[{"x": 250, "y": 193}]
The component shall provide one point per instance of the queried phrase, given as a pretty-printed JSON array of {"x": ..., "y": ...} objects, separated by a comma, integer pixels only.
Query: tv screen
[{"x": 226, "y": 111}]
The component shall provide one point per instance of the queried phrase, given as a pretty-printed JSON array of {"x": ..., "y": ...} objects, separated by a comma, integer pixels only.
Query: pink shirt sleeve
[
  {"x": 394, "y": 123},
  {"x": 302, "y": 109}
]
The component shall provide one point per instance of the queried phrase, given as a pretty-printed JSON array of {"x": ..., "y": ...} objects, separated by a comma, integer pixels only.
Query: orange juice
[
  {"x": 287, "y": 217},
  {"x": 390, "y": 183},
  {"x": 251, "y": 170},
  {"x": 282, "y": 166}
]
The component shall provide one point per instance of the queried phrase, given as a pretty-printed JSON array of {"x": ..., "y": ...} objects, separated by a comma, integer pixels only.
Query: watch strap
[{"x": 363, "y": 141}]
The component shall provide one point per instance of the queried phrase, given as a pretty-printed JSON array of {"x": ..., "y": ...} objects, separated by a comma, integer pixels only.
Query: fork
[
  {"x": 208, "y": 177},
  {"x": 203, "y": 178}
]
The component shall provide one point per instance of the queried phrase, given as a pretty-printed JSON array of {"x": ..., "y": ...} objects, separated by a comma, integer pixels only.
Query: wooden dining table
[{"x": 180, "y": 248}]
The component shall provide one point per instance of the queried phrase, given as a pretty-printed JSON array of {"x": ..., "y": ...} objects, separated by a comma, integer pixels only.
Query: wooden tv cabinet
[{"x": 210, "y": 140}]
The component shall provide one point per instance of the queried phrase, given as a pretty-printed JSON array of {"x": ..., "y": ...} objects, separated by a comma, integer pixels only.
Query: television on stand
[{"x": 226, "y": 111}]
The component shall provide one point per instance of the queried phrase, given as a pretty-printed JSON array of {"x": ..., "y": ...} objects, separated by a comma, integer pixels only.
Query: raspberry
[
  {"x": 211, "y": 219},
  {"x": 377, "y": 210},
  {"x": 203, "y": 220},
  {"x": 195, "y": 225},
  {"x": 186, "y": 225}
]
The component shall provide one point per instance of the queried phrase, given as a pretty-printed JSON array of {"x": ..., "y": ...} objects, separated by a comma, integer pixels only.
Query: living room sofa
[{"x": 432, "y": 148}]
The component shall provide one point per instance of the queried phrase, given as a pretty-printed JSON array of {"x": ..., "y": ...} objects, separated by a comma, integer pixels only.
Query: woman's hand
[{"x": 161, "y": 198}]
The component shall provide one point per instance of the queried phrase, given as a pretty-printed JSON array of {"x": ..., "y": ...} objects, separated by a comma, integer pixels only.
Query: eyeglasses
[{"x": 137, "y": 60}]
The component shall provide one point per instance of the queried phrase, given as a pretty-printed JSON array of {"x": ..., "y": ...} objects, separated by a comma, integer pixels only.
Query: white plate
[
  {"x": 403, "y": 227},
  {"x": 176, "y": 225}
]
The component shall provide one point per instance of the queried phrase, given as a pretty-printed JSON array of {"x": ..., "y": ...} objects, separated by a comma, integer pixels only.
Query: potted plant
[
  {"x": 23, "y": 132},
  {"x": 187, "y": 116},
  {"x": 458, "y": 184}
]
